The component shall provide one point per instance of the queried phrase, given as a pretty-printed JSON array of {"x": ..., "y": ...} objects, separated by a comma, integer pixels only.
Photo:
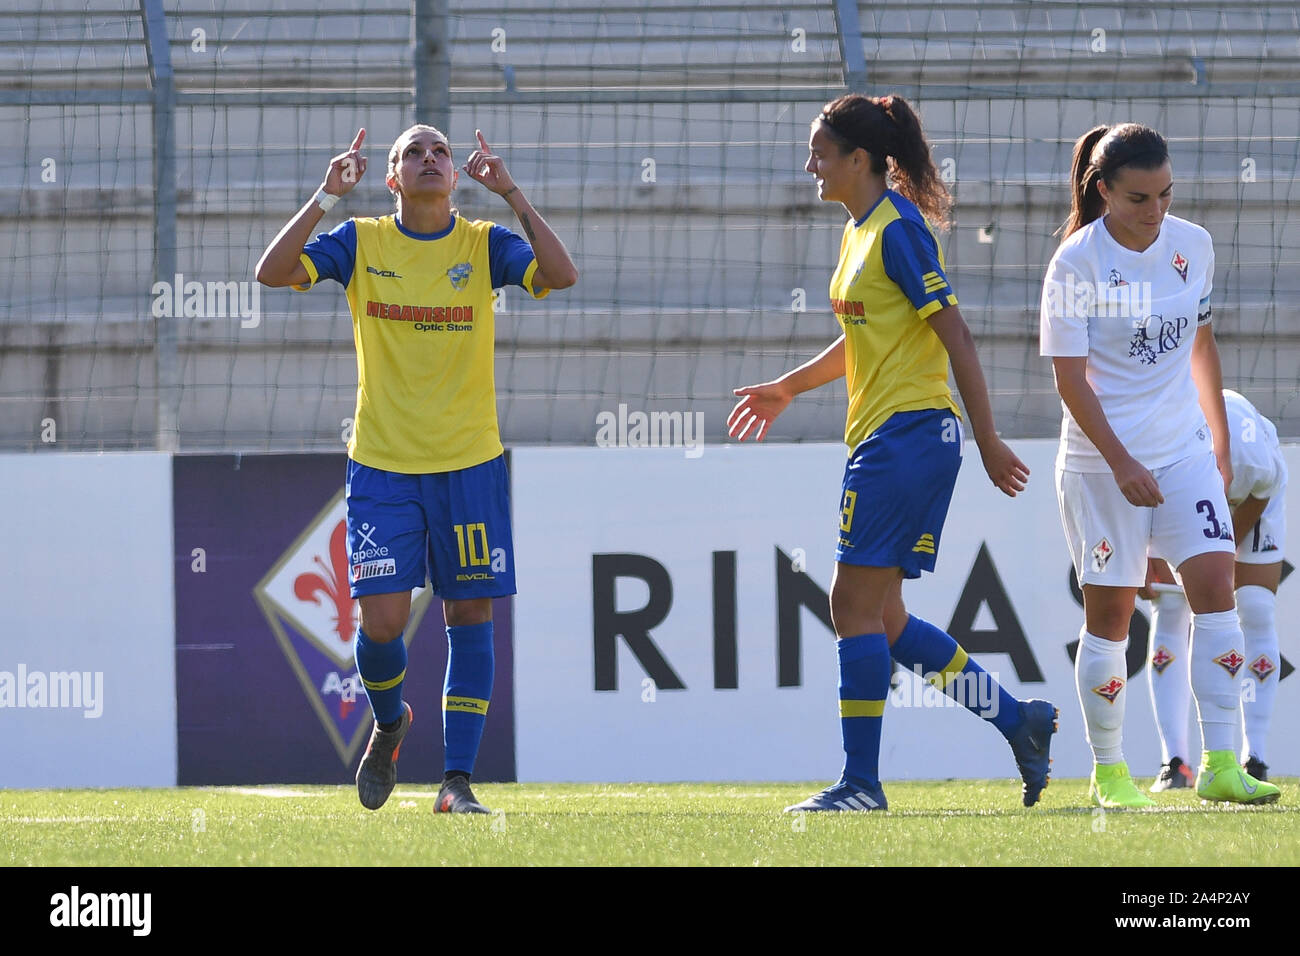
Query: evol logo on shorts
[{"x": 306, "y": 600}]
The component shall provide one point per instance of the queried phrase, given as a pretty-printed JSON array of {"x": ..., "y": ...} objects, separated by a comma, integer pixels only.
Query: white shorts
[
  {"x": 1109, "y": 538},
  {"x": 1266, "y": 542}
]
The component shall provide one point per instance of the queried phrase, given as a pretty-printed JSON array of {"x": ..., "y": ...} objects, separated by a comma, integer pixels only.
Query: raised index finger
[
  {"x": 482, "y": 143},
  {"x": 358, "y": 140}
]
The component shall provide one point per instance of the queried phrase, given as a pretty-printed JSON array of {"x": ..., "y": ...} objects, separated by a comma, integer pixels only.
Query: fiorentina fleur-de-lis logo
[
  {"x": 1161, "y": 659},
  {"x": 1262, "y": 667},
  {"x": 1179, "y": 262},
  {"x": 1230, "y": 662},
  {"x": 328, "y": 585},
  {"x": 1110, "y": 690}
]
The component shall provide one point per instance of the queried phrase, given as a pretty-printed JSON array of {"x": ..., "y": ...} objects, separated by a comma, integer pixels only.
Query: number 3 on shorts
[
  {"x": 846, "y": 510},
  {"x": 1215, "y": 530}
]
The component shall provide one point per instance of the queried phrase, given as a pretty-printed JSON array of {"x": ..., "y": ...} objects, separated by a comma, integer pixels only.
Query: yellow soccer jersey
[
  {"x": 423, "y": 324},
  {"x": 889, "y": 280}
]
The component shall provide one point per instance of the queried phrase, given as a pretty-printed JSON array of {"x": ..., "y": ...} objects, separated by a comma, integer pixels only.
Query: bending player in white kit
[
  {"x": 1256, "y": 498},
  {"x": 1144, "y": 460}
]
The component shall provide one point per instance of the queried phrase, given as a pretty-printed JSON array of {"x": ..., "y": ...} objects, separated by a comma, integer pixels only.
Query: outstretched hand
[
  {"x": 1004, "y": 469},
  {"x": 346, "y": 169},
  {"x": 484, "y": 166},
  {"x": 757, "y": 409}
]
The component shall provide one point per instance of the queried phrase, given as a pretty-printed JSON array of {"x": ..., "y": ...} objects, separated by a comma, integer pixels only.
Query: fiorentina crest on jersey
[
  {"x": 1161, "y": 659},
  {"x": 1230, "y": 662},
  {"x": 307, "y": 603},
  {"x": 1110, "y": 690},
  {"x": 1179, "y": 262}
]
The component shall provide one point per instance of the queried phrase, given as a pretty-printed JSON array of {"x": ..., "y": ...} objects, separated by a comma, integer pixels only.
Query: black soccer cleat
[
  {"x": 1174, "y": 775},
  {"x": 455, "y": 796},
  {"x": 377, "y": 774},
  {"x": 1256, "y": 768}
]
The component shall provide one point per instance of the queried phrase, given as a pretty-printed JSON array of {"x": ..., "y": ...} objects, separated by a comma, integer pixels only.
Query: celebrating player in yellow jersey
[
  {"x": 427, "y": 491},
  {"x": 901, "y": 327}
]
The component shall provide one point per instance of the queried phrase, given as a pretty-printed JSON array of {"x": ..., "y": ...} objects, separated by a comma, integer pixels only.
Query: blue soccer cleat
[
  {"x": 1031, "y": 744},
  {"x": 844, "y": 796}
]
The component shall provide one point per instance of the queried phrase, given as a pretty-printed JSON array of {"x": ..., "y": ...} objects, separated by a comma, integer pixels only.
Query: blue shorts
[
  {"x": 451, "y": 529},
  {"x": 897, "y": 487}
]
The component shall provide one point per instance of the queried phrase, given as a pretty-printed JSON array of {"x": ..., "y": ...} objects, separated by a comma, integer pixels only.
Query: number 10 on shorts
[{"x": 472, "y": 543}]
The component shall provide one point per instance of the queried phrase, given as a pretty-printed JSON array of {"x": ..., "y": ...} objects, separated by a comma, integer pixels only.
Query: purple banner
[{"x": 266, "y": 684}]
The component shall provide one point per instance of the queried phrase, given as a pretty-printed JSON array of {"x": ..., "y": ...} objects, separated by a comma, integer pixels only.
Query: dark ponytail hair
[
  {"x": 1099, "y": 154},
  {"x": 889, "y": 130}
]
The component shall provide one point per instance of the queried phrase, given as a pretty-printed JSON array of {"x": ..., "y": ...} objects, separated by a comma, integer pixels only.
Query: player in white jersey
[
  {"x": 1144, "y": 460},
  {"x": 1256, "y": 496}
]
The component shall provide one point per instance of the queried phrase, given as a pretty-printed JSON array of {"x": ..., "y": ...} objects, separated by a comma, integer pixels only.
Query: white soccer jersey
[
  {"x": 1258, "y": 468},
  {"x": 1134, "y": 315}
]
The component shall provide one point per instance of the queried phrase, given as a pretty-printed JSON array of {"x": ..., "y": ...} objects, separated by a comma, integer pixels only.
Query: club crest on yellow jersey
[{"x": 459, "y": 274}]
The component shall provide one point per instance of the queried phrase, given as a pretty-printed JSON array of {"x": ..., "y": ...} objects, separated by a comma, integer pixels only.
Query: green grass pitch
[{"x": 930, "y": 823}]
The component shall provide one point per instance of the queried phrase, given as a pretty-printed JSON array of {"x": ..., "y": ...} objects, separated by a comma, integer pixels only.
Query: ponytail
[
  {"x": 1098, "y": 155},
  {"x": 888, "y": 129},
  {"x": 1086, "y": 203}
]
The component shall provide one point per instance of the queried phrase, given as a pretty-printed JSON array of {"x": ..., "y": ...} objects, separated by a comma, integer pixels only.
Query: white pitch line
[{"x": 62, "y": 819}]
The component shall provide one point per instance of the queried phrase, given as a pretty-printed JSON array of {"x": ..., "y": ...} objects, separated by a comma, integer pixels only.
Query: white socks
[
  {"x": 1255, "y": 607},
  {"x": 1167, "y": 673},
  {"x": 1210, "y": 667},
  {"x": 1218, "y": 666},
  {"x": 1101, "y": 677}
]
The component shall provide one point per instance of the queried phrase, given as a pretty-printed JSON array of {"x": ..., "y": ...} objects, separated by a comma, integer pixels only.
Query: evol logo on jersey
[{"x": 306, "y": 600}]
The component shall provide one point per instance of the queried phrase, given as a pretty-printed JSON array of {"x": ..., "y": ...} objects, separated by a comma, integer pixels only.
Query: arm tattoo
[{"x": 528, "y": 228}]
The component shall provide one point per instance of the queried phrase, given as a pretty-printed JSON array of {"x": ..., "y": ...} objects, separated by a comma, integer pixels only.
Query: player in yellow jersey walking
[
  {"x": 427, "y": 489},
  {"x": 901, "y": 328}
]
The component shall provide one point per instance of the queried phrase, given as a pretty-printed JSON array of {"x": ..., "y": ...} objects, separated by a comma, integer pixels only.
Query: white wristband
[{"x": 325, "y": 200}]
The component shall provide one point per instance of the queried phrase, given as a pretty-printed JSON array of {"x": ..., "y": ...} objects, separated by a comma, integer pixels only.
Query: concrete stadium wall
[{"x": 686, "y": 281}]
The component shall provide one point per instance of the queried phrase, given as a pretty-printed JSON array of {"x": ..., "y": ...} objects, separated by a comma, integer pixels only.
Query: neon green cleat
[
  {"x": 1221, "y": 778},
  {"x": 1112, "y": 787}
]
